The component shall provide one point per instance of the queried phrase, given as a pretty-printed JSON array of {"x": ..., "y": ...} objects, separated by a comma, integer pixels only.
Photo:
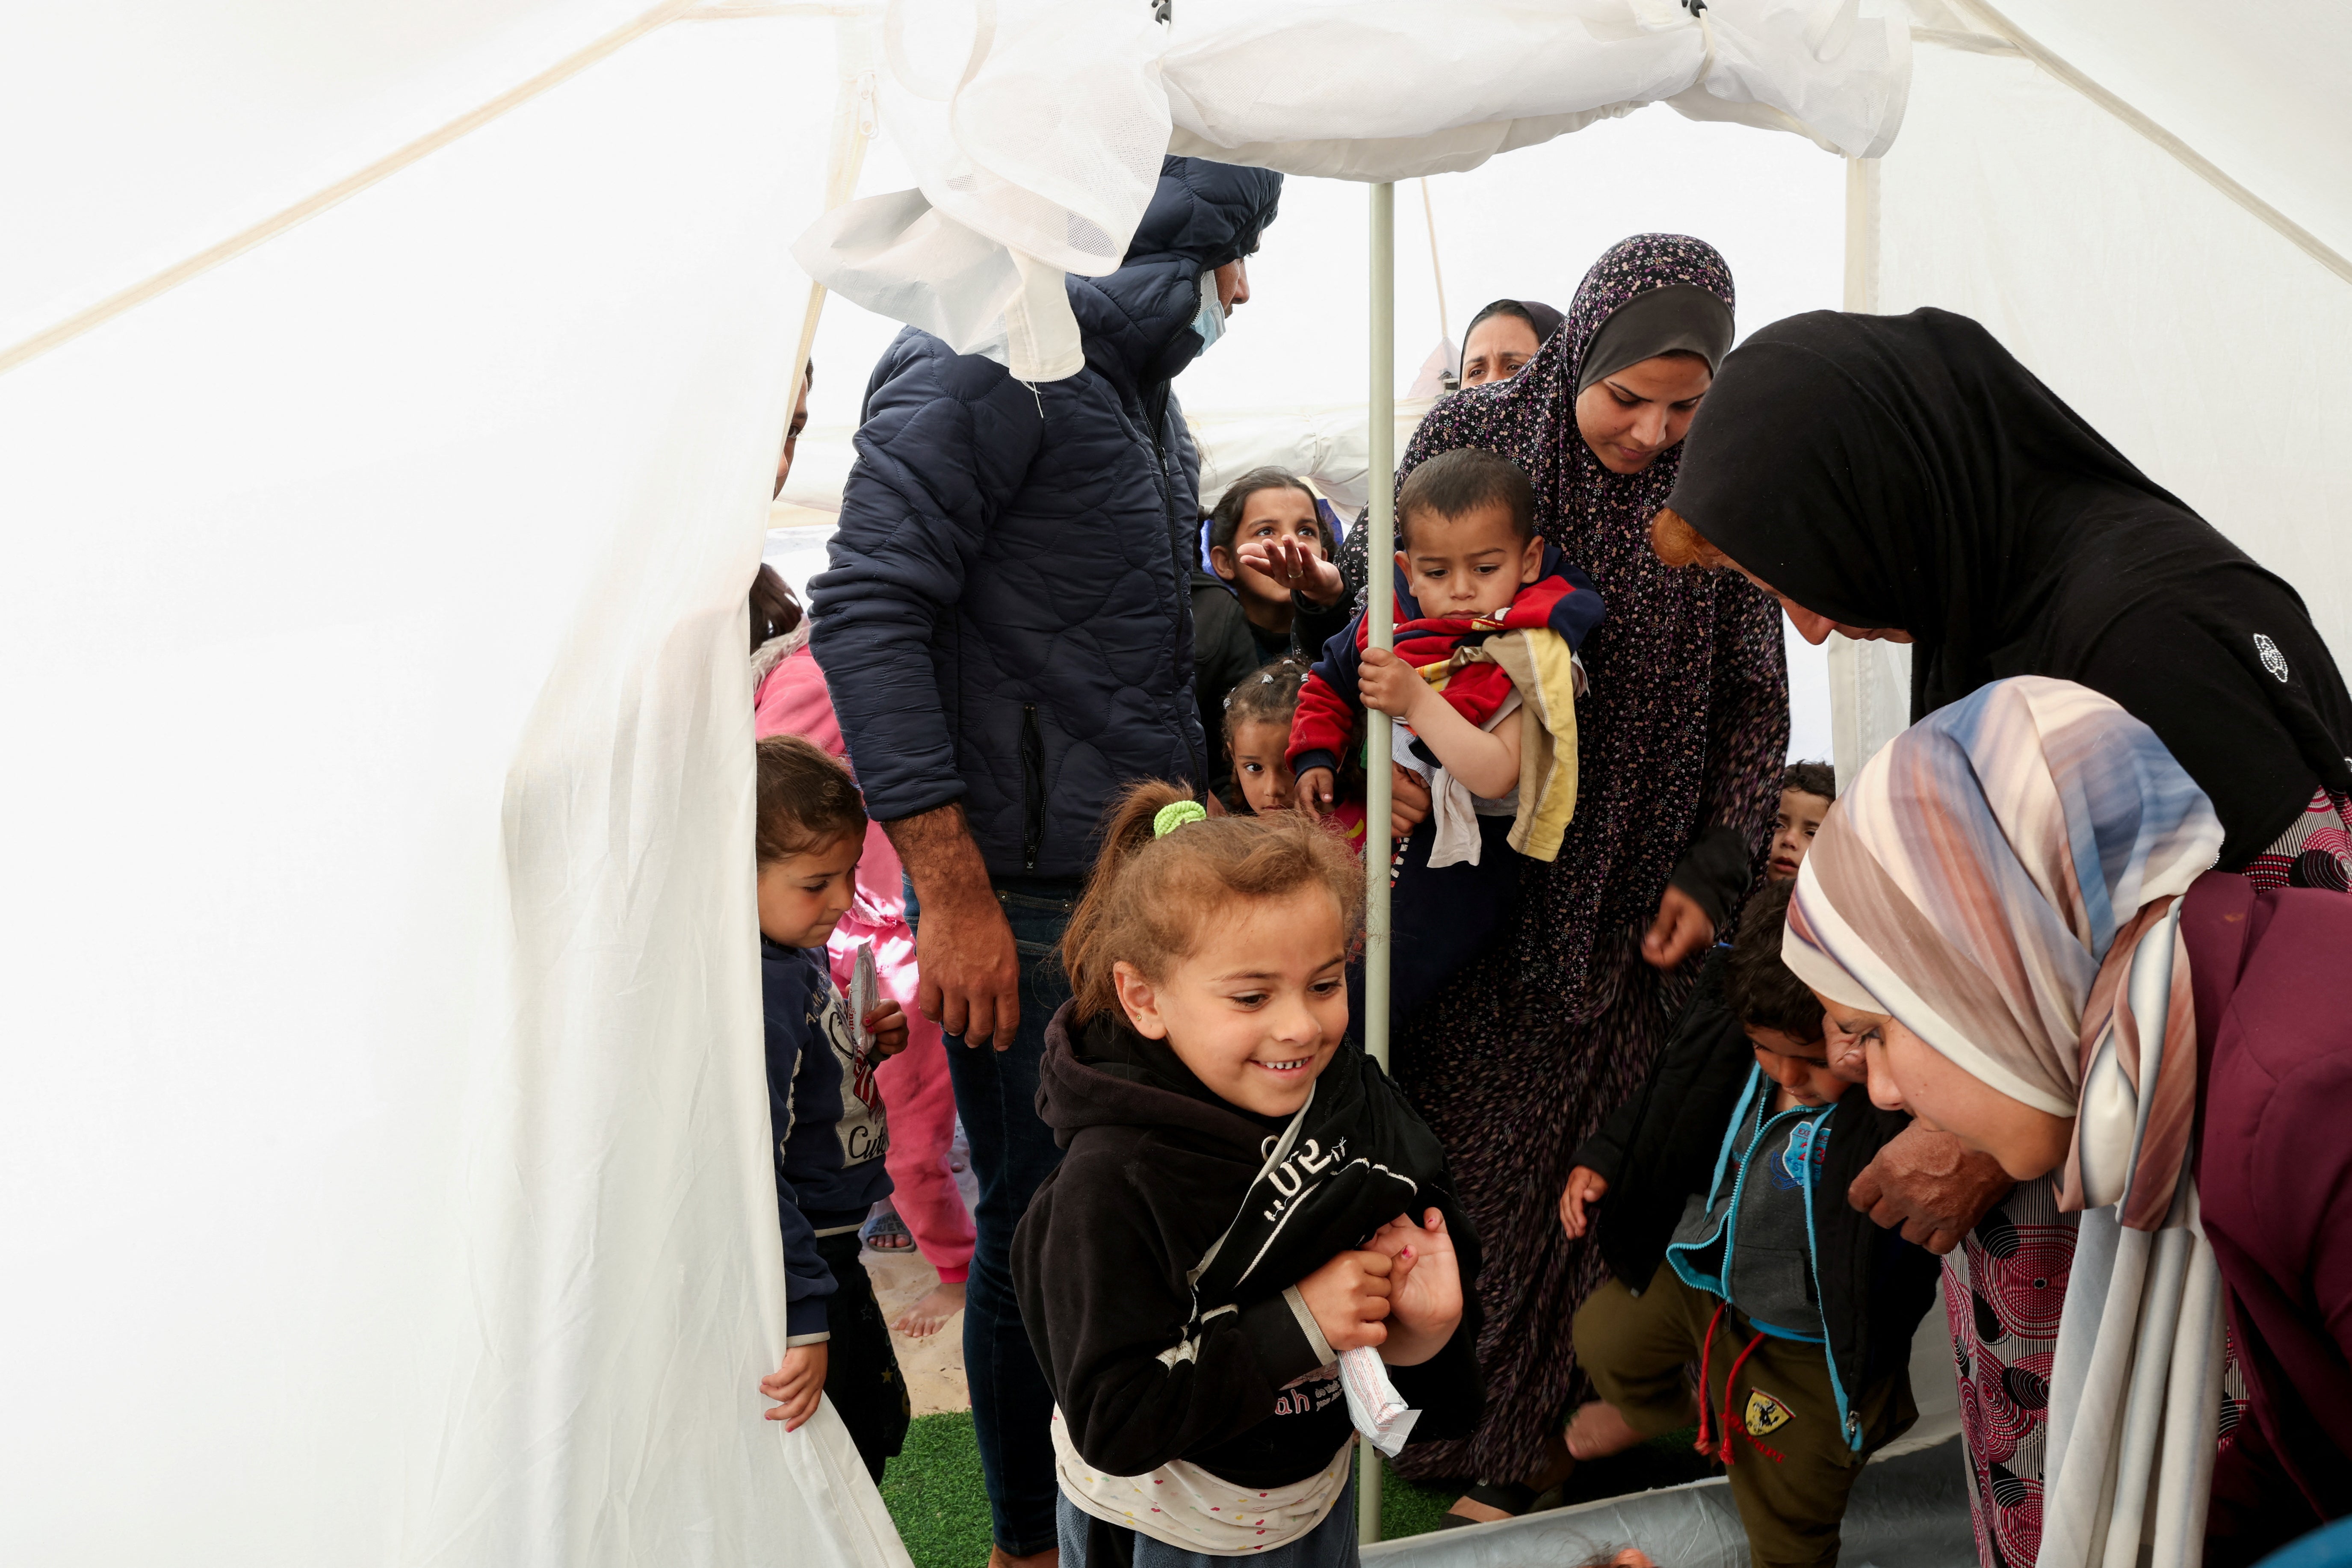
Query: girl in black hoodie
[{"x": 1234, "y": 1210}]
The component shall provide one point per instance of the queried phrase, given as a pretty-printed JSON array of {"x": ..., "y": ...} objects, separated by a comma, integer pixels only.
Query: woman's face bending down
[
  {"x": 1632, "y": 416},
  {"x": 1257, "y": 1010},
  {"x": 1909, "y": 1074}
]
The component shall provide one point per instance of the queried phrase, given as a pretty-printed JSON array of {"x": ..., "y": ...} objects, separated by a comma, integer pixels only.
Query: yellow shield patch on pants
[{"x": 1765, "y": 1413}]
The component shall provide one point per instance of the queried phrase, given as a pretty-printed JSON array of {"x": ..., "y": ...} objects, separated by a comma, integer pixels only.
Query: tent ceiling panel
[
  {"x": 2260, "y": 90},
  {"x": 212, "y": 118}
]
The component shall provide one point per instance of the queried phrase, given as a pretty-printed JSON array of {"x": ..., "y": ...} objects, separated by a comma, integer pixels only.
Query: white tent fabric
[
  {"x": 1036, "y": 127},
  {"x": 1323, "y": 442},
  {"x": 385, "y": 403},
  {"x": 2178, "y": 274},
  {"x": 1329, "y": 445},
  {"x": 386, "y": 1133}
]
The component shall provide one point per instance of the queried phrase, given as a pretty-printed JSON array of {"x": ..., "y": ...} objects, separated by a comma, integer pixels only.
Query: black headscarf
[
  {"x": 1540, "y": 318},
  {"x": 1907, "y": 472}
]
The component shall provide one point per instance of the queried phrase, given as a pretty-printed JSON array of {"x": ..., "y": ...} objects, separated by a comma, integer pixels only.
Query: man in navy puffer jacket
[{"x": 1007, "y": 631}]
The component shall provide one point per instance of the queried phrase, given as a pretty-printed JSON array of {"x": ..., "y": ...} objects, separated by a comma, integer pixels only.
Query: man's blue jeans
[{"x": 1011, "y": 1152}]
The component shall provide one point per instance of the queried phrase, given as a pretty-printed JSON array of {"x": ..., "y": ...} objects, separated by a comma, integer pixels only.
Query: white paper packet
[
  {"x": 864, "y": 995},
  {"x": 1375, "y": 1406}
]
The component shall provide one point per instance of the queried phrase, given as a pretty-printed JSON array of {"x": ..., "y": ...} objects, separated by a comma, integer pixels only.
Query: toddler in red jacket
[{"x": 1482, "y": 683}]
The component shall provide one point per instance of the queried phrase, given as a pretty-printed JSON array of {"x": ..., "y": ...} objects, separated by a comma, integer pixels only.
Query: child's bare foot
[
  {"x": 1598, "y": 1430},
  {"x": 1487, "y": 1502},
  {"x": 930, "y": 1315}
]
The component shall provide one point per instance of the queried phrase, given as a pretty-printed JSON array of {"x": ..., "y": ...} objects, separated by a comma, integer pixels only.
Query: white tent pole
[
  {"x": 1379, "y": 611},
  {"x": 1436, "y": 273}
]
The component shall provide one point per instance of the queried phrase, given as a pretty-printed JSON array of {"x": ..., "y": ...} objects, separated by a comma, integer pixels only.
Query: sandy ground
[{"x": 933, "y": 1366}]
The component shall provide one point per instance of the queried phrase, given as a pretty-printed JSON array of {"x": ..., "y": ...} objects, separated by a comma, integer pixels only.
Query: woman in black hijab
[{"x": 1903, "y": 477}]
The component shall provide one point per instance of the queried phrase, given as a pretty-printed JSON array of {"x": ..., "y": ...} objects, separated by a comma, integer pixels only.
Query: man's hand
[
  {"x": 796, "y": 1385},
  {"x": 1348, "y": 1297},
  {"x": 964, "y": 947},
  {"x": 888, "y": 1025},
  {"x": 1388, "y": 684},
  {"x": 1312, "y": 792},
  {"x": 1681, "y": 929},
  {"x": 1407, "y": 801},
  {"x": 1296, "y": 566},
  {"x": 1930, "y": 1185},
  {"x": 1586, "y": 1186},
  {"x": 1424, "y": 1287}
]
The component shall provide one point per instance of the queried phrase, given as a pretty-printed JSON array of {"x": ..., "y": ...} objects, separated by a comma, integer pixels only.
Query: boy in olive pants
[{"x": 1726, "y": 1226}]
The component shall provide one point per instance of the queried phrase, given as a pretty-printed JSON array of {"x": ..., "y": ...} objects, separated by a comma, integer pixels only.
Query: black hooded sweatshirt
[{"x": 1155, "y": 1168}]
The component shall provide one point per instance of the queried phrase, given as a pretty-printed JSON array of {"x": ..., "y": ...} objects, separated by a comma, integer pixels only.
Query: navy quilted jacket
[{"x": 1007, "y": 621}]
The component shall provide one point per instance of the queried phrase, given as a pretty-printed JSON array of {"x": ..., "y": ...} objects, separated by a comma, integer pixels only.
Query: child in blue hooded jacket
[{"x": 1723, "y": 1215}]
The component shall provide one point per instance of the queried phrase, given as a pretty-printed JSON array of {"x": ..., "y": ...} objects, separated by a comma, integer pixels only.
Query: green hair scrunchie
[{"x": 1175, "y": 815}]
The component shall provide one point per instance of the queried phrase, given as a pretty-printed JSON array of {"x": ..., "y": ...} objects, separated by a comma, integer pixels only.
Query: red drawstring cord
[
  {"x": 1706, "y": 1348},
  {"x": 1733, "y": 1377}
]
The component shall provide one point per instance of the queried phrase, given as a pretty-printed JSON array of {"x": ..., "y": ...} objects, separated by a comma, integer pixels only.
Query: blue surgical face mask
[{"x": 1211, "y": 322}]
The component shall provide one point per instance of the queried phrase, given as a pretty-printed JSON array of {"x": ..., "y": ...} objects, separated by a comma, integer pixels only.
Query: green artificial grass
[
  {"x": 934, "y": 1492},
  {"x": 1409, "y": 1507},
  {"x": 935, "y": 1496}
]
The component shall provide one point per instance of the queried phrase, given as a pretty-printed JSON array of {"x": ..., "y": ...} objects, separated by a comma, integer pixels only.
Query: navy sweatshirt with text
[{"x": 827, "y": 1117}]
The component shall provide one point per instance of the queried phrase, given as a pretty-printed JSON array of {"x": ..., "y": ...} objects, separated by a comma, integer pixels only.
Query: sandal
[
  {"x": 1511, "y": 1498},
  {"x": 886, "y": 1232}
]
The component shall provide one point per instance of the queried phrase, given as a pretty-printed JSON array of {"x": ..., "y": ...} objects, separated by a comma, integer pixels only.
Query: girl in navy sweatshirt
[{"x": 830, "y": 1133}]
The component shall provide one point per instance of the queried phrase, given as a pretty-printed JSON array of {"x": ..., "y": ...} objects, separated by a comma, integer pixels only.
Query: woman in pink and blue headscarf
[{"x": 2014, "y": 908}]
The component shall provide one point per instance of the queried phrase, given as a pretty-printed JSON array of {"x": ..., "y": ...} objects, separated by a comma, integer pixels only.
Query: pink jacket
[{"x": 793, "y": 701}]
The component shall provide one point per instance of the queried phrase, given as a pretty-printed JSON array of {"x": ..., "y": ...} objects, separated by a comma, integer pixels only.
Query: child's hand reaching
[
  {"x": 1348, "y": 1297},
  {"x": 1424, "y": 1288},
  {"x": 797, "y": 1384},
  {"x": 888, "y": 1025},
  {"x": 1312, "y": 791},
  {"x": 1298, "y": 566},
  {"x": 1585, "y": 1186},
  {"x": 1388, "y": 683}
]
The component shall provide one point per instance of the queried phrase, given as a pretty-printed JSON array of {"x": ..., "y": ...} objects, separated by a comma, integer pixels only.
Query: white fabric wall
[
  {"x": 2198, "y": 339},
  {"x": 386, "y": 1131}
]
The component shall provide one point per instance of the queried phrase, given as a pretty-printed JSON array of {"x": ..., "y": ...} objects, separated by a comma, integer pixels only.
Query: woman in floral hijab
[{"x": 1681, "y": 738}]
